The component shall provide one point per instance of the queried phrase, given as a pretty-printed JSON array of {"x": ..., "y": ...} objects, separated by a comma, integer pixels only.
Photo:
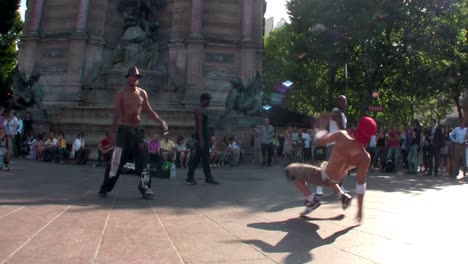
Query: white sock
[{"x": 310, "y": 197}]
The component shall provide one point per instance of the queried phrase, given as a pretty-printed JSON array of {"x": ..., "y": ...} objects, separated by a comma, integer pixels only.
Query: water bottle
[{"x": 172, "y": 174}]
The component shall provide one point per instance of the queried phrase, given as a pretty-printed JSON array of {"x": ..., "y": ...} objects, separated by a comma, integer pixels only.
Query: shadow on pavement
[{"x": 300, "y": 239}]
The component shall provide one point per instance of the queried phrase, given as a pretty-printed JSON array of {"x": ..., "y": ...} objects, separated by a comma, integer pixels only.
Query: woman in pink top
[{"x": 154, "y": 146}]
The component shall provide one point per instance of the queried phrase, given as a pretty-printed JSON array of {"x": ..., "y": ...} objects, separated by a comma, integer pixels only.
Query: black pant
[
  {"x": 268, "y": 150},
  {"x": 82, "y": 155},
  {"x": 103, "y": 157},
  {"x": 204, "y": 156},
  {"x": 434, "y": 159},
  {"x": 131, "y": 141},
  {"x": 307, "y": 154}
]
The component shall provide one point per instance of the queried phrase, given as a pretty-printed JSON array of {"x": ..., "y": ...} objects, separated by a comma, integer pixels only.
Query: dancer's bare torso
[
  {"x": 130, "y": 104},
  {"x": 347, "y": 154}
]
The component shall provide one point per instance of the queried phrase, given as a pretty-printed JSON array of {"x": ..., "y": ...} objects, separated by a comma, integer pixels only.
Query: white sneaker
[
  {"x": 319, "y": 190},
  {"x": 310, "y": 206}
]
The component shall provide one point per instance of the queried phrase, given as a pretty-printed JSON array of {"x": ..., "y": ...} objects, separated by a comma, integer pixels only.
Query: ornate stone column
[
  {"x": 77, "y": 53},
  {"x": 36, "y": 16},
  {"x": 248, "y": 50},
  {"x": 29, "y": 41},
  {"x": 197, "y": 18},
  {"x": 247, "y": 20},
  {"x": 81, "y": 21},
  {"x": 195, "y": 55}
]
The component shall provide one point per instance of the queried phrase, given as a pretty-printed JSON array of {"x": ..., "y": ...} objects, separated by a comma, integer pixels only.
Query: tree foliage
[
  {"x": 398, "y": 48},
  {"x": 10, "y": 29}
]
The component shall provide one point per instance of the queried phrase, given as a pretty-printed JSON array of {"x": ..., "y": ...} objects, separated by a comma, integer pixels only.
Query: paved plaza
[{"x": 51, "y": 213}]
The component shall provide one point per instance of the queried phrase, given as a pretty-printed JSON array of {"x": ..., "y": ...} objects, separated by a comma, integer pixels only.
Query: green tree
[
  {"x": 10, "y": 29},
  {"x": 402, "y": 49}
]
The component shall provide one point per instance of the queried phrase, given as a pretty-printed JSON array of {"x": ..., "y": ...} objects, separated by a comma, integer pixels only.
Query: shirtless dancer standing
[
  {"x": 348, "y": 153},
  {"x": 129, "y": 102}
]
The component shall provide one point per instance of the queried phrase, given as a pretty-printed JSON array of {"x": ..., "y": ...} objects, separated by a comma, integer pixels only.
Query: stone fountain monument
[{"x": 82, "y": 50}]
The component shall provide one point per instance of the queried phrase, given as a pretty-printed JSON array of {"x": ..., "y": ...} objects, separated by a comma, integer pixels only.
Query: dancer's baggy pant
[{"x": 129, "y": 145}]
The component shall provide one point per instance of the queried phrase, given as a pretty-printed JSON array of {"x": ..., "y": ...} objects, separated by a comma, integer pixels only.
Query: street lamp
[{"x": 409, "y": 41}]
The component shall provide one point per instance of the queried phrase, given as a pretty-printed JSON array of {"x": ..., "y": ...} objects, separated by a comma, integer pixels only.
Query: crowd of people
[
  {"x": 18, "y": 140},
  {"x": 433, "y": 150}
]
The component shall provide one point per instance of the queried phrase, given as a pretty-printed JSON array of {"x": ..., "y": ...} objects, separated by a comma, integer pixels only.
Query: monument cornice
[
  {"x": 30, "y": 36},
  {"x": 249, "y": 44},
  {"x": 226, "y": 45},
  {"x": 96, "y": 40},
  {"x": 195, "y": 39},
  {"x": 79, "y": 35},
  {"x": 175, "y": 43}
]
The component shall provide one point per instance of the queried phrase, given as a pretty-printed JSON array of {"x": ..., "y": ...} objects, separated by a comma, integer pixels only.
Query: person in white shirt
[
  {"x": 79, "y": 150},
  {"x": 11, "y": 128}
]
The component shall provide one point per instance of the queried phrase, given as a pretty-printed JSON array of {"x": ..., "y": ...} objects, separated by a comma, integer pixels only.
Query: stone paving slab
[{"x": 50, "y": 213}]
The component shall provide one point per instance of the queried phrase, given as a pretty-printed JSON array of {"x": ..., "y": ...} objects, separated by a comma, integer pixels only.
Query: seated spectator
[
  {"x": 221, "y": 149},
  {"x": 50, "y": 148},
  {"x": 39, "y": 146},
  {"x": 79, "y": 151},
  {"x": 6, "y": 148},
  {"x": 105, "y": 149},
  {"x": 182, "y": 152},
  {"x": 237, "y": 146},
  {"x": 31, "y": 141},
  {"x": 62, "y": 150},
  {"x": 154, "y": 147},
  {"x": 234, "y": 151},
  {"x": 154, "y": 151},
  {"x": 26, "y": 145},
  {"x": 168, "y": 148},
  {"x": 214, "y": 155}
]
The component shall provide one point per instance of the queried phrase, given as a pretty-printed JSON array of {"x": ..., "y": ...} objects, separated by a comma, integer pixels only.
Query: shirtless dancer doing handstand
[
  {"x": 349, "y": 152},
  {"x": 128, "y": 105}
]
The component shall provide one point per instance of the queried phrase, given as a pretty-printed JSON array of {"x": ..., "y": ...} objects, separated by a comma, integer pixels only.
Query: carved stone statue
[
  {"x": 139, "y": 44},
  {"x": 250, "y": 101},
  {"x": 245, "y": 99},
  {"x": 26, "y": 92}
]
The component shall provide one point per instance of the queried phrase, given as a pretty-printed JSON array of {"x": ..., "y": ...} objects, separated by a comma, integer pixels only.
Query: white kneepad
[{"x": 361, "y": 188}]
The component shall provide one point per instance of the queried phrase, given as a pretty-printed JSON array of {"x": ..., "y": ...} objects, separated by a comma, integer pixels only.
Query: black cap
[
  {"x": 133, "y": 71},
  {"x": 205, "y": 96}
]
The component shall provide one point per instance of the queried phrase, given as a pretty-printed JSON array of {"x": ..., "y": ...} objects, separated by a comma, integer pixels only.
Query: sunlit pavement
[{"x": 51, "y": 213}]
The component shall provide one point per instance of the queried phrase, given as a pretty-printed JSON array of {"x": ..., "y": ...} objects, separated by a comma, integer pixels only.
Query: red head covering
[{"x": 366, "y": 128}]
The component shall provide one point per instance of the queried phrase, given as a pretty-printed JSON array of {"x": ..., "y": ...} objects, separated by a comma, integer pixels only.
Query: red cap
[{"x": 366, "y": 128}]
